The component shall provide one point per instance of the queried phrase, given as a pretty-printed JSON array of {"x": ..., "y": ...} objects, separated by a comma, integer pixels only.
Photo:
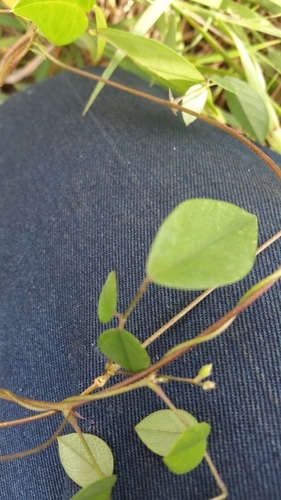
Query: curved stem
[
  {"x": 37, "y": 448},
  {"x": 173, "y": 105},
  {"x": 142, "y": 289},
  {"x": 217, "y": 477},
  {"x": 26, "y": 420},
  {"x": 178, "y": 316}
]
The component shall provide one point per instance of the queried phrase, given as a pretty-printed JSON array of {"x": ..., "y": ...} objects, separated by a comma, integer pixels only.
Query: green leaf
[
  {"x": 108, "y": 299},
  {"x": 203, "y": 243},
  {"x": 125, "y": 349},
  {"x": 76, "y": 462},
  {"x": 248, "y": 108},
  {"x": 194, "y": 99},
  {"x": 205, "y": 371},
  {"x": 155, "y": 58},
  {"x": 189, "y": 450},
  {"x": 61, "y": 22},
  {"x": 143, "y": 24},
  {"x": 161, "y": 430},
  {"x": 101, "y": 23},
  {"x": 223, "y": 83},
  {"x": 100, "y": 490}
]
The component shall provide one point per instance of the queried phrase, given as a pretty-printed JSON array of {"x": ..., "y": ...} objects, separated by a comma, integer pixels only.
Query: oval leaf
[
  {"x": 100, "y": 490},
  {"x": 194, "y": 99},
  {"x": 108, "y": 299},
  {"x": 203, "y": 243},
  {"x": 157, "y": 59},
  {"x": 248, "y": 108},
  {"x": 161, "y": 430},
  {"x": 76, "y": 462},
  {"x": 125, "y": 349},
  {"x": 189, "y": 450},
  {"x": 60, "y": 22}
]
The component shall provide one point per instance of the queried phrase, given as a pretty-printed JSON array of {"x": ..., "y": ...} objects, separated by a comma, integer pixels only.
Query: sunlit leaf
[
  {"x": 108, "y": 299},
  {"x": 203, "y": 243},
  {"x": 101, "y": 23},
  {"x": 189, "y": 450},
  {"x": 223, "y": 83},
  {"x": 143, "y": 24},
  {"x": 157, "y": 59},
  {"x": 76, "y": 461},
  {"x": 248, "y": 108},
  {"x": 124, "y": 348},
  {"x": 100, "y": 490},
  {"x": 60, "y": 22},
  {"x": 194, "y": 99},
  {"x": 160, "y": 430}
]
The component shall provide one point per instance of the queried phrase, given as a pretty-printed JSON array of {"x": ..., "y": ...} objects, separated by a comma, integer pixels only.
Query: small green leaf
[
  {"x": 205, "y": 371},
  {"x": 61, "y": 22},
  {"x": 76, "y": 462},
  {"x": 248, "y": 108},
  {"x": 125, "y": 349},
  {"x": 161, "y": 430},
  {"x": 108, "y": 299},
  {"x": 203, "y": 243},
  {"x": 155, "y": 58},
  {"x": 189, "y": 450},
  {"x": 100, "y": 490},
  {"x": 194, "y": 99}
]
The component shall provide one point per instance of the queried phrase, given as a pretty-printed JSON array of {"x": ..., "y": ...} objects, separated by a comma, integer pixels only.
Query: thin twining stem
[
  {"x": 271, "y": 240},
  {"x": 172, "y": 105},
  {"x": 26, "y": 420},
  {"x": 22, "y": 454},
  {"x": 217, "y": 477},
  {"x": 142, "y": 289},
  {"x": 178, "y": 316},
  {"x": 199, "y": 299}
]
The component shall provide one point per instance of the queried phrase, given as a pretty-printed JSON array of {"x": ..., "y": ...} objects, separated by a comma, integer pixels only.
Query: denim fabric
[{"x": 82, "y": 196}]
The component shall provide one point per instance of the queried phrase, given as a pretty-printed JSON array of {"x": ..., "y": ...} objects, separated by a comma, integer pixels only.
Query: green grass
[{"x": 222, "y": 39}]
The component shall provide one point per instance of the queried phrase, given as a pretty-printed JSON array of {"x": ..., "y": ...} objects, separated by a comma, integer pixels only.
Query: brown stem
[{"x": 173, "y": 105}]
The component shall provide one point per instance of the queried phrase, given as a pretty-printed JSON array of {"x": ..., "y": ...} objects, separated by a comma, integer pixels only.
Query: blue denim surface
[{"x": 82, "y": 196}]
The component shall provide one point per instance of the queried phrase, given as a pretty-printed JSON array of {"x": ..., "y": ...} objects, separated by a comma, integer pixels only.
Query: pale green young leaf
[
  {"x": 155, "y": 58},
  {"x": 160, "y": 430},
  {"x": 60, "y": 22},
  {"x": 99, "y": 490},
  {"x": 108, "y": 299},
  {"x": 76, "y": 462},
  {"x": 124, "y": 348},
  {"x": 248, "y": 108},
  {"x": 203, "y": 243},
  {"x": 205, "y": 371},
  {"x": 189, "y": 450},
  {"x": 194, "y": 99}
]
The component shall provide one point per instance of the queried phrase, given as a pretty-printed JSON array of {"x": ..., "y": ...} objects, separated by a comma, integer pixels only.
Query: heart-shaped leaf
[
  {"x": 124, "y": 348},
  {"x": 100, "y": 490},
  {"x": 189, "y": 450},
  {"x": 160, "y": 430},
  {"x": 203, "y": 243},
  {"x": 76, "y": 462},
  {"x": 61, "y": 22}
]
